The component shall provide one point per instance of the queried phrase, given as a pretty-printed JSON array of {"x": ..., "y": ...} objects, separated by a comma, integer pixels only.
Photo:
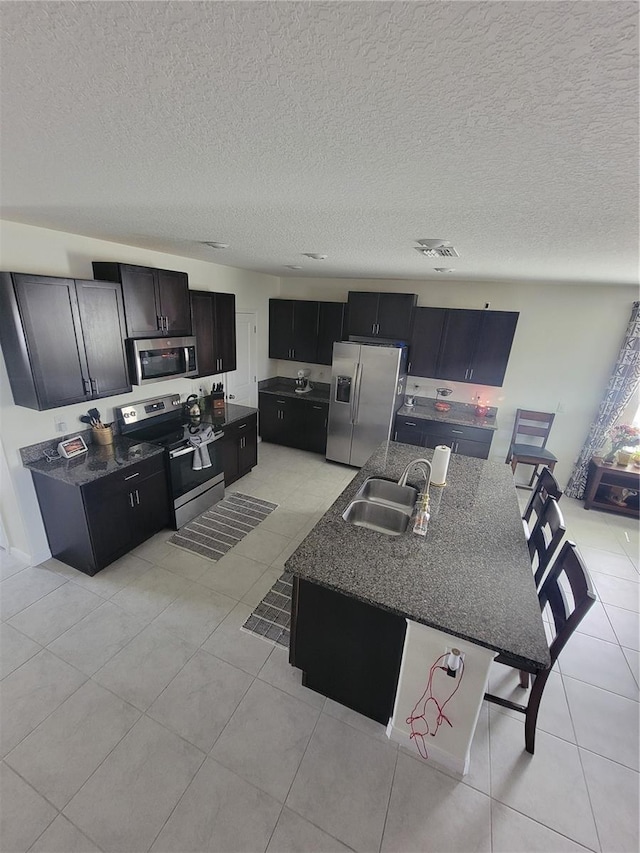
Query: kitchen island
[{"x": 356, "y": 591}]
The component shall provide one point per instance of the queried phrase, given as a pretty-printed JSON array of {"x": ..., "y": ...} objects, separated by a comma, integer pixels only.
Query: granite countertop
[
  {"x": 469, "y": 577},
  {"x": 287, "y": 388},
  {"x": 99, "y": 461},
  {"x": 102, "y": 460},
  {"x": 227, "y": 416},
  {"x": 461, "y": 414}
]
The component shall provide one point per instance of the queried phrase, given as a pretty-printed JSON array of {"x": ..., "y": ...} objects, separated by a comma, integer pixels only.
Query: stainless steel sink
[
  {"x": 377, "y": 516},
  {"x": 388, "y": 493}
]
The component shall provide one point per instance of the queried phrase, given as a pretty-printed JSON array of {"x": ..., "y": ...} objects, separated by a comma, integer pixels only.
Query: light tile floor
[{"x": 136, "y": 715}]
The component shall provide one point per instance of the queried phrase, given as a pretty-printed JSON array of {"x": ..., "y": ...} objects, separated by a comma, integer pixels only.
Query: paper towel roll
[{"x": 439, "y": 465}]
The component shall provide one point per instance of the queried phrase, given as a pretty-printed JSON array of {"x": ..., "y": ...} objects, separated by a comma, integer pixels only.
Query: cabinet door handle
[
  {"x": 471, "y": 373},
  {"x": 131, "y": 499},
  {"x": 137, "y": 497},
  {"x": 87, "y": 386},
  {"x": 410, "y": 423},
  {"x": 457, "y": 431},
  {"x": 242, "y": 426},
  {"x": 131, "y": 476},
  {"x": 317, "y": 407},
  {"x": 160, "y": 324},
  {"x": 377, "y": 328},
  {"x": 94, "y": 385},
  {"x": 373, "y": 328}
]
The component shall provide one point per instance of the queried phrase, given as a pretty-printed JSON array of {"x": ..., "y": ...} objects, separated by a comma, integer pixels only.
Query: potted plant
[{"x": 621, "y": 436}]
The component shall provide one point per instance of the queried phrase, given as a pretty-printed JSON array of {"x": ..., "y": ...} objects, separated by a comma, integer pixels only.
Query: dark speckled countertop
[
  {"x": 469, "y": 577},
  {"x": 287, "y": 387},
  {"x": 99, "y": 461},
  {"x": 461, "y": 414}
]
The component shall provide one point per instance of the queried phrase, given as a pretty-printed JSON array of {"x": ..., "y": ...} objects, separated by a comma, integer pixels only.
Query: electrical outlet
[{"x": 60, "y": 424}]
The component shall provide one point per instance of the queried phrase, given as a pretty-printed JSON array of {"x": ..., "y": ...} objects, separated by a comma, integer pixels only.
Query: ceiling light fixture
[
  {"x": 215, "y": 244},
  {"x": 315, "y": 255}
]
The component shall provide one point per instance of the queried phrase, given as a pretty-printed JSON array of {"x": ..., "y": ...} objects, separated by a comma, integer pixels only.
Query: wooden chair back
[
  {"x": 546, "y": 485},
  {"x": 567, "y": 615},
  {"x": 567, "y": 575},
  {"x": 532, "y": 424},
  {"x": 545, "y": 538}
]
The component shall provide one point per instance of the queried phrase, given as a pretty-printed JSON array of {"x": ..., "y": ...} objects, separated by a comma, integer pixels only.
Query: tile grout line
[{"x": 386, "y": 813}]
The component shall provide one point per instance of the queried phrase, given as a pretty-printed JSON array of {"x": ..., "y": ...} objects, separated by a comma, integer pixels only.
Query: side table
[{"x": 614, "y": 488}]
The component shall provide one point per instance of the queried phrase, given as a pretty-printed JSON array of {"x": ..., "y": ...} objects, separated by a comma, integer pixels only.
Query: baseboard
[
  {"x": 437, "y": 757},
  {"x": 30, "y": 559}
]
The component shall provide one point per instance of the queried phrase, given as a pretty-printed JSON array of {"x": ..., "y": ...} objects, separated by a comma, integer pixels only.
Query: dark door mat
[
  {"x": 271, "y": 619},
  {"x": 218, "y": 529}
]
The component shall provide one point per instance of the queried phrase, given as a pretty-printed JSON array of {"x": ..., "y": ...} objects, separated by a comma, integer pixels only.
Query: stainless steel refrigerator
[{"x": 367, "y": 389}]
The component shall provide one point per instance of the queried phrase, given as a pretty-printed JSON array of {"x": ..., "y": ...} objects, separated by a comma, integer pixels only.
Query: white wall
[
  {"x": 565, "y": 346},
  {"x": 38, "y": 250}
]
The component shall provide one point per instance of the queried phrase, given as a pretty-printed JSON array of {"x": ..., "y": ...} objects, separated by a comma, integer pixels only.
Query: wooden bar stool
[
  {"x": 536, "y": 424},
  {"x": 567, "y": 615},
  {"x": 546, "y": 485}
]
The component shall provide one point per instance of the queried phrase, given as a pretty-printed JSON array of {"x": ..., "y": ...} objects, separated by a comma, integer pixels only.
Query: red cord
[{"x": 423, "y": 701}]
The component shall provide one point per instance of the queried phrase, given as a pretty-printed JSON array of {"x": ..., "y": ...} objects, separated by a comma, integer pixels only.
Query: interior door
[
  {"x": 102, "y": 317},
  {"x": 242, "y": 385},
  {"x": 377, "y": 386}
]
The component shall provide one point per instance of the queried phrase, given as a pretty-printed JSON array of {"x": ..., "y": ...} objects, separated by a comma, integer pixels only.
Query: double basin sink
[{"x": 383, "y": 506}]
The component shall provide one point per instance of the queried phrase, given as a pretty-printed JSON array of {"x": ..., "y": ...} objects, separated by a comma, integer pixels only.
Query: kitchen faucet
[{"x": 424, "y": 466}]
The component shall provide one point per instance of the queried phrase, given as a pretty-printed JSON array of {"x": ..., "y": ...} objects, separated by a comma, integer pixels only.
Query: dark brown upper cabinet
[
  {"x": 62, "y": 339},
  {"x": 424, "y": 344},
  {"x": 156, "y": 301},
  {"x": 462, "y": 345},
  {"x": 331, "y": 328},
  {"x": 380, "y": 315},
  {"x": 293, "y": 329},
  {"x": 214, "y": 325}
]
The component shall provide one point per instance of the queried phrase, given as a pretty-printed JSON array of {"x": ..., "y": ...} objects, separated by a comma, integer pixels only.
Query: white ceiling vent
[
  {"x": 439, "y": 252},
  {"x": 436, "y": 248}
]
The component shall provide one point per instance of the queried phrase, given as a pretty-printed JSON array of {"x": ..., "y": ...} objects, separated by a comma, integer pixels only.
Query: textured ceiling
[{"x": 352, "y": 129}]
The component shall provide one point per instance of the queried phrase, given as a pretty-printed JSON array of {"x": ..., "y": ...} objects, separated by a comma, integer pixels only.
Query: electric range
[{"x": 161, "y": 421}]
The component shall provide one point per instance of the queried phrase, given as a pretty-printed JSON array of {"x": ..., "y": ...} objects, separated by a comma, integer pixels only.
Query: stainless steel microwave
[{"x": 156, "y": 359}]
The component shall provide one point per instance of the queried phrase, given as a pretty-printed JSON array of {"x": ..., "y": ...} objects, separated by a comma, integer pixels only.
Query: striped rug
[
  {"x": 218, "y": 529},
  {"x": 271, "y": 620}
]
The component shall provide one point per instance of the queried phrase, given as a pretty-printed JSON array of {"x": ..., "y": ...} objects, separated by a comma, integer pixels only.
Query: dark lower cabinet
[
  {"x": 62, "y": 339},
  {"x": 347, "y": 650},
  {"x": 90, "y": 526},
  {"x": 466, "y": 440},
  {"x": 293, "y": 422},
  {"x": 239, "y": 448}
]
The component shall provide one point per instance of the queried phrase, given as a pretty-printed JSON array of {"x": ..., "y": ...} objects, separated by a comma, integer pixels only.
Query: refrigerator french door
[{"x": 367, "y": 389}]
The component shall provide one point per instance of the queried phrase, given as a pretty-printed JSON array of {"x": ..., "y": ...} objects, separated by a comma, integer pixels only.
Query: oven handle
[{"x": 175, "y": 453}]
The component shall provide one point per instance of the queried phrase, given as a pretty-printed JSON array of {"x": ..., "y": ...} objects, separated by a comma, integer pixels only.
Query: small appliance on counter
[
  {"x": 191, "y": 410},
  {"x": 303, "y": 386},
  {"x": 440, "y": 405}
]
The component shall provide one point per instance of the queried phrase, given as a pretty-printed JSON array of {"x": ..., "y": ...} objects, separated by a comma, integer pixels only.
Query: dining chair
[
  {"x": 545, "y": 537},
  {"x": 567, "y": 615},
  {"x": 546, "y": 485},
  {"x": 532, "y": 424}
]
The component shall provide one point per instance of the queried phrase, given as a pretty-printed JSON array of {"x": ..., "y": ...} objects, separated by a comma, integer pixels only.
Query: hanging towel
[{"x": 199, "y": 441}]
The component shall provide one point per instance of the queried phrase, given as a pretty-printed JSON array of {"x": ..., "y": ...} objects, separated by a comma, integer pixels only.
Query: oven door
[
  {"x": 186, "y": 483},
  {"x": 155, "y": 359}
]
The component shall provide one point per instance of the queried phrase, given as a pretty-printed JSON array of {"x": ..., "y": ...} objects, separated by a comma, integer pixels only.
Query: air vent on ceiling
[{"x": 438, "y": 252}]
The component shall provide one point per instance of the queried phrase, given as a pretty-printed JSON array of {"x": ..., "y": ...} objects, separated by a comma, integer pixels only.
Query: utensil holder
[{"x": 102, "y": 436}]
